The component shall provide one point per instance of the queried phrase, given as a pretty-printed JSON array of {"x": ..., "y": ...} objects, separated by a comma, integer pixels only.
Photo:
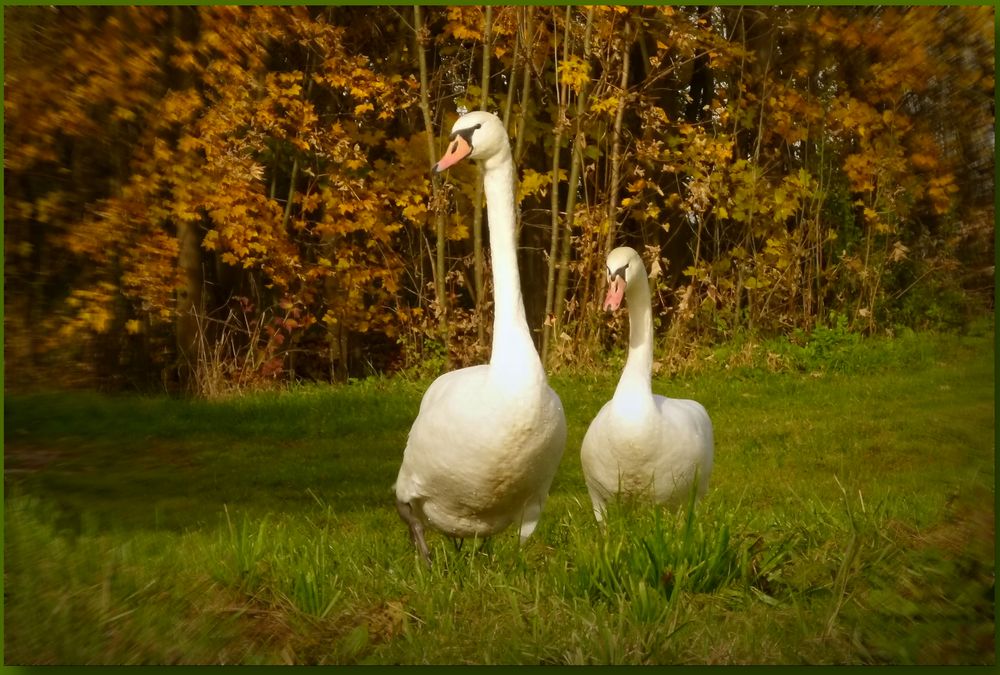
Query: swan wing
[{"x": 687, "y": 448}]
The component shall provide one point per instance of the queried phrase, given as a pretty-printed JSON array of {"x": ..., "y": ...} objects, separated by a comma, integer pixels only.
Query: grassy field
[{"x": 850, "y": 520}]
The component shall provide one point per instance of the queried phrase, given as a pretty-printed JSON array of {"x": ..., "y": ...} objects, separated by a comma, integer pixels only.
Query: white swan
[
  {"x": 641, "y": 444},
  {"x": 488, "y": 439}
]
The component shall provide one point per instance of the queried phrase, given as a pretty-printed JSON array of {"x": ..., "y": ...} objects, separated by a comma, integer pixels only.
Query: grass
[{"x": 850, "y": 520}]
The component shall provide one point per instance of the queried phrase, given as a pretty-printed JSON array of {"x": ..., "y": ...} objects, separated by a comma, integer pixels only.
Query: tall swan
[
  {"x": 642, "y": 444},
  {"x": 487, "y": 440}
]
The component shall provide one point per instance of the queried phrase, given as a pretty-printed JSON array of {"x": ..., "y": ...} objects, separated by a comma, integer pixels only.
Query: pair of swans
[{"x": 487, "y": 440}]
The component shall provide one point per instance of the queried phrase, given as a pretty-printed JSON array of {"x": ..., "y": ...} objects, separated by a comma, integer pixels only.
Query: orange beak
[
  {"x": 457, "y": 151},
  {"x": 616, "y": 291}
]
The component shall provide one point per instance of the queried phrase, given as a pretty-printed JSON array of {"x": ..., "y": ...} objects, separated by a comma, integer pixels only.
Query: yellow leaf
[
  {"x": 124, "y": 114},
  {"x": 415, "y": 212},
  {"x": 189, "y": 143},
  {"x": 574, "y": 72},
  {"x": 923, "y": 160},
  {"x": 211, "y": 240},
  {"x": 363, "y": 108},
  {"x": 605, "y": 105},
  {"x": 533, "y": 182},
  {"x": 100, "y": 319}
]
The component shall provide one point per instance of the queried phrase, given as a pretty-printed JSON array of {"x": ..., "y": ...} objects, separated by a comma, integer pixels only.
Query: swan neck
[
  {"x": 512, "y": 345},
  {"x": 639, "y": 364}
]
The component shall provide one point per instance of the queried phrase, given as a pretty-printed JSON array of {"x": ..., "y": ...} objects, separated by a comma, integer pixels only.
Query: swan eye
[
  {"x": 620, "y": 272},
  {"x": 466, "y": 133}
]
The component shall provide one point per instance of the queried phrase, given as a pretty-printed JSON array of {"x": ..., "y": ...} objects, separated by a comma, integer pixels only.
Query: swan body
[
  {"x": 487, "y": 440},
  {"x": 641, "y": 444}
]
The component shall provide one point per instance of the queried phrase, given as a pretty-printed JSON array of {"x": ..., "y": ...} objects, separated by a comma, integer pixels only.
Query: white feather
[{"x": 641, "y": 444}]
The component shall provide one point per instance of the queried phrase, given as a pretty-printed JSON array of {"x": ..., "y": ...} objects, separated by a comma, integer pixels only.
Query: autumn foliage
[{"x": 211, "y": 197}]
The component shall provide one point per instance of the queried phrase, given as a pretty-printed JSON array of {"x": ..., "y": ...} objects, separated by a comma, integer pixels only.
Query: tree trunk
[
  {"x": 477, "y": 208},
  {"x": 575, "y": 162},
  {"x": 511, "y": 80},
  {"x": 437, "y": 207},
  {"x": 616, "y": 146},
  {"x": 561, "y": 93},
  {"x": 189, "y": 322},
  {"x": 189, "y": 300},
  {"x": 522, "y": 119}
]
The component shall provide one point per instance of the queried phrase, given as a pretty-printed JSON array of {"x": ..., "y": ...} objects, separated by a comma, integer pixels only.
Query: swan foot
[
  {"x": 416, "y": 529},
  {"x": 529, "y": 519},
  {"x": 598, "y": 501},
  {"x": 480, "y": 545}
]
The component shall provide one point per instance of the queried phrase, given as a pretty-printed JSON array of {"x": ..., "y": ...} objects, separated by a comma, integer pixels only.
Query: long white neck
[
  {"x": 513, "y": 350},
  {"x": 637, "y": 376}
]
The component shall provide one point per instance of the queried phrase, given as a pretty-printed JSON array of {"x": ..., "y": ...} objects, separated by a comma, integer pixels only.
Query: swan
[
  {"x": 487, "y": 440},
  {"x": 640, "y": 443}
]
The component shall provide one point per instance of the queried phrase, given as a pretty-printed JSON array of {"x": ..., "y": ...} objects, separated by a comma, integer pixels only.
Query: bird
[
  {"x": 641, "y": 444},
  {"x": 488, "y": 439}
]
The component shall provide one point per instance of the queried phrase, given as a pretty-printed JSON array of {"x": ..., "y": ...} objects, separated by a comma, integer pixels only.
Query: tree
[{"x": 221, "y": 197}]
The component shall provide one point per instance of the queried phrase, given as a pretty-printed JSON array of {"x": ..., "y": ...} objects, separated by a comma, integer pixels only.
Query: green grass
[{"x": 850, "y": 519}]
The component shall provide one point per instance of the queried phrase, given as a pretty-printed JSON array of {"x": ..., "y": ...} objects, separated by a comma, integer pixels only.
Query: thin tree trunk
[
  {"x": 436, "y": 198},
  {"x": 576, "y": 159},
  {"x": 509, "y": 102},
  {"x": 477, "y": 209},
  {"x": 561, "y": 93},
  {"x": 295, "y": 163},
  {"x": 616, "y": 146},
  {"x": 189, "y": 298},
  {"x": 525, "y": 87},
  {"x": 188, "y": 322},
  {"x": 522, "y": 119},
  {"x": 596, "y": 250},
  {"x": 291, "y": 194}
]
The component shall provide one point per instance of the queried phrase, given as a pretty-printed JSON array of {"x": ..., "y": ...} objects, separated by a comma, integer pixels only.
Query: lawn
[{"x": 850, "y": 520}]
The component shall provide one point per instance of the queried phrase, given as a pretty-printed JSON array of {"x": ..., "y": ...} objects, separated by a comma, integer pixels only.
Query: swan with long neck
[
  {"x": 487, "y": 440},
  {"x": 641, "y": 444}
]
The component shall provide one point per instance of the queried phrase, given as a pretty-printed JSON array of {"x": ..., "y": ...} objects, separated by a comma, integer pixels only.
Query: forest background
[{"x": 209, "y": 199}]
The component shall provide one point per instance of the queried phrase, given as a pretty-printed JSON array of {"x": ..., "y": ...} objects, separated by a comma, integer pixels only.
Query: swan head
[
  {"x": 624, "y": 266},
  {"x": 475, "y": 135}
]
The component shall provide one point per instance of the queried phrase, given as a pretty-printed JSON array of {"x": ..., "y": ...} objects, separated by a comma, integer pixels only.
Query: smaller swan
[{"x": 642, "y": 444}]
